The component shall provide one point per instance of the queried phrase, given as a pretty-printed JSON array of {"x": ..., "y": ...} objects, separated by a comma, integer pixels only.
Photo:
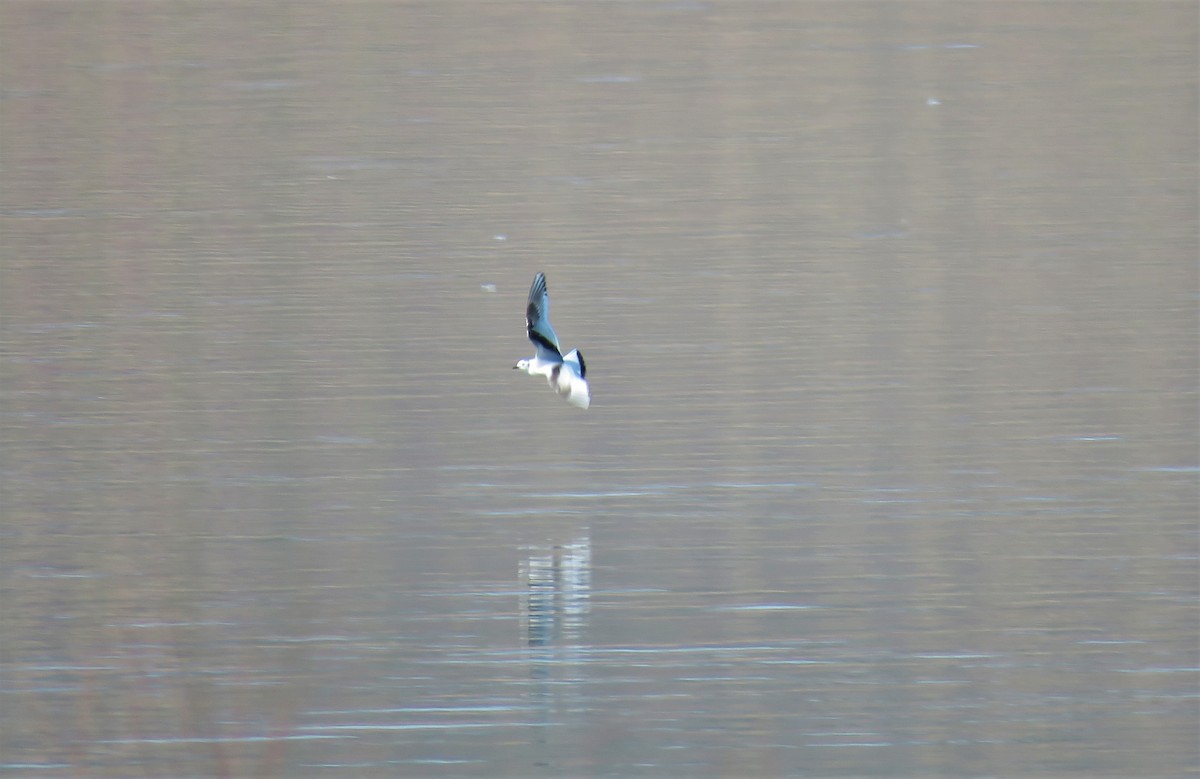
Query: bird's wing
[
  {"x": 576, "y": 357},
  {"x": 537, "y": 321},
  {"x": 577, "y": 392}
]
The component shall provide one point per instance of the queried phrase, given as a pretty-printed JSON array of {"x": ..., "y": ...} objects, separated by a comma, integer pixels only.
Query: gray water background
[{"x": 890, "y": 311}]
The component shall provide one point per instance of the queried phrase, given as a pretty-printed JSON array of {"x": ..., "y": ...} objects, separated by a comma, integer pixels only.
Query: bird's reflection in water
[
  {"x": 558, "y": 586},
  {"x": 555, "y": 605}
]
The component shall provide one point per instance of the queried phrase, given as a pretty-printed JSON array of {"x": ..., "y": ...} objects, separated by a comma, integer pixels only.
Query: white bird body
[{"x": 566, "y": 374}]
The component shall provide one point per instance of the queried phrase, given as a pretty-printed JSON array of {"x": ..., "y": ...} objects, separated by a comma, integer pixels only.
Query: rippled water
[{"x": 890, "y": 313}]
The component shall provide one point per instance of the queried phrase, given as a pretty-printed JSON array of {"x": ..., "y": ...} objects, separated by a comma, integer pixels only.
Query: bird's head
[{"x": 522, "y": 365}]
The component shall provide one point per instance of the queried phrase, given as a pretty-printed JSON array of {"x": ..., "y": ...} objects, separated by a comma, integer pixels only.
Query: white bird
[{"x": 566, "y": 373}]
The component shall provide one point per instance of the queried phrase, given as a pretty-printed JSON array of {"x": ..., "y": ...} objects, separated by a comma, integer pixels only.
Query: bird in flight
[{"x": 566, "y": 373}]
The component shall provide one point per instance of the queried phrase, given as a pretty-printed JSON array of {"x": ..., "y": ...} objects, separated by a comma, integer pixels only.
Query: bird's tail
[{"x": 579, "y": 395}]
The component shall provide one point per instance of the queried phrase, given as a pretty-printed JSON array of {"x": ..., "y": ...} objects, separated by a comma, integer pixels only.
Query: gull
[{"x": 566, "y": 373}]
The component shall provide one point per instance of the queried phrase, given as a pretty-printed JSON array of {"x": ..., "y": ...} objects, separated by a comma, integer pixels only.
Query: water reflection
[
  {"x": 555, "y": 606},
  {"x": 557, "y": 583}
]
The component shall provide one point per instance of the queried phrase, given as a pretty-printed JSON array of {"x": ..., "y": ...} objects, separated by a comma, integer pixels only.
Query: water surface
[{"x": 890, "y": 313}]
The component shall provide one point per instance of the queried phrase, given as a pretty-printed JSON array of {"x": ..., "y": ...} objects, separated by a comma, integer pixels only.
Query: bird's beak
[{"x": 515, "y": 367}]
